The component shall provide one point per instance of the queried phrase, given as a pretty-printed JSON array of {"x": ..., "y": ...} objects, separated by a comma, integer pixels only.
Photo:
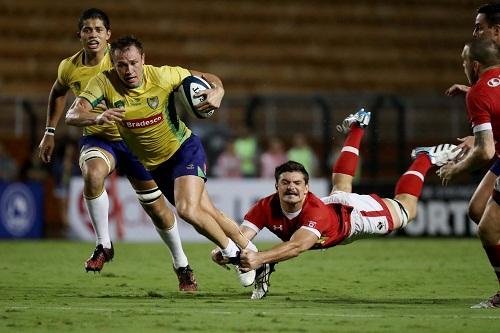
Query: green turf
[{"x": 388, "y": 285}]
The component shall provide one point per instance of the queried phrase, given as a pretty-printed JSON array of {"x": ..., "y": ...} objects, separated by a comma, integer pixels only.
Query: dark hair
[
  {"x": 94, "y": 13},
  {"x": 491, "y": 13},
  {"x": 291, "y": 166},
  {"x": 124, "y": 43},
  {"x": 484, "y": 50}
]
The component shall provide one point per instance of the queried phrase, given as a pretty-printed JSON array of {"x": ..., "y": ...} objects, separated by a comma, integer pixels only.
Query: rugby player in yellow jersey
[
  {"x": 137, "y": 97},
  {"x": 103, "y": 150}
]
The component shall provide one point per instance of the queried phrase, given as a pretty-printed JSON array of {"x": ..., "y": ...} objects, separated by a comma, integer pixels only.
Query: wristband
[{"x": 50, "y": 131}]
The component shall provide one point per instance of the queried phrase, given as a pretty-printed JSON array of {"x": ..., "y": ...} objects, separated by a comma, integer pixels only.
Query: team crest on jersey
[
  {"x": 119, "y": 104},
  {"x": 153, "y": 102},
  {"x": 494, "y": 82}
]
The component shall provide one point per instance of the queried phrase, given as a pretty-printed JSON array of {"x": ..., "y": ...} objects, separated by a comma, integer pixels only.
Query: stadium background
[{"x": 287, "y": 67}]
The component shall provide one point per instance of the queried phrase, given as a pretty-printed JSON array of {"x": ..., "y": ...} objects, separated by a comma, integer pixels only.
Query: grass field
[{"x": 389, "y": 285}]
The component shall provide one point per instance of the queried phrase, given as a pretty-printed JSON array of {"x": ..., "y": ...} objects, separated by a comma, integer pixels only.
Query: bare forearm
[
  {"x": 55, "y": 109},
  {"x": 79, "y": 114},
  {"x": 482, "y": 152},
  {"x": 281, "y": 252},
  {"x": 80, "y": 119}
]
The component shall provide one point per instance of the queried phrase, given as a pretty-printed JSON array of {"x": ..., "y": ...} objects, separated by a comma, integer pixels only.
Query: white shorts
[{"x": 370, "y": 216}]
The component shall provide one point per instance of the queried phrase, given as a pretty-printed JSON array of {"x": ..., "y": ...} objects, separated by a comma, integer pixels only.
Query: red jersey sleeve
[
  {"x": 257, "y": 215},
  {"x": 478, "y": 107}
]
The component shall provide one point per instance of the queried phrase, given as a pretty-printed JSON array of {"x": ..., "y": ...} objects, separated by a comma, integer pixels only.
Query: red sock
[
  {"x": 493, "y": 253},
  {"x": 412, "y": 181},
  {"x": 347, "y": 161}
]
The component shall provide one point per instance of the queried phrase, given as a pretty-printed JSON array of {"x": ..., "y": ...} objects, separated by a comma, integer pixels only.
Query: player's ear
[
  {"x": 108, "y": 34},
  {"x": 496, "y": 32},
  {"x": 476, "y": 65}
]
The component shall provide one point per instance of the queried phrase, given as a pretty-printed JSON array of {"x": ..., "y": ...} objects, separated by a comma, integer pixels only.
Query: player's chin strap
[
  {"x": 147, "y": 197},
  {"x": 401, "y": 211}
]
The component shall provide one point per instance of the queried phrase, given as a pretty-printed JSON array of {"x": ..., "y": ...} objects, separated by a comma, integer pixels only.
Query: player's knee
[
  {"x": 94, "y": 180},
  {"x": 474, "y": 212},
  {"x": 488, "y": 233},
  {"x": 187, "y": 211}
]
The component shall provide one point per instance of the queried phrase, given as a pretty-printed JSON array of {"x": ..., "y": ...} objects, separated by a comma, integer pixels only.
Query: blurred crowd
[{"x": 247, "y": 156}]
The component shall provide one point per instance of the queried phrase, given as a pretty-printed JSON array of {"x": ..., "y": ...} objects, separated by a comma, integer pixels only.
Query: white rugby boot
[
  {"x": 246, "y": 278},
  {"x": 439, "y": 155},
  {"x": 362, "y": 118},
  {"x": 261, "y": 286}
]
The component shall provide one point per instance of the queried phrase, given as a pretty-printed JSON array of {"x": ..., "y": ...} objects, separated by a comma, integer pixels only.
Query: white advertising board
[{"x": 233, "y": 197}]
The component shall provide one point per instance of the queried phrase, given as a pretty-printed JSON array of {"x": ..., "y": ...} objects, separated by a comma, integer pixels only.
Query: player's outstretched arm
[
  {"x": 302, "y": 240},
  {"x": 457, "y": 89},
  {"x": 55, "y": 110}
]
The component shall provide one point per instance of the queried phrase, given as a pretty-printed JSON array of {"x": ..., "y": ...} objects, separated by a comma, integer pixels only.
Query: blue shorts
[
  {"x": 126, "y": 163},
  {"x": 189, "y": 159},
  {"x": 495, "y": 167}
]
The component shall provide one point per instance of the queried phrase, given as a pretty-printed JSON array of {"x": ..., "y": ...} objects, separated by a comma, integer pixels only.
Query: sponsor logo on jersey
[
  {"x": 153, "y": 102},
  {"x": 144, "y": 122},
  {"x": 380, "y": 225},
  {"x": 494, "y": 82},
  {"x": 278, "y": 227}
]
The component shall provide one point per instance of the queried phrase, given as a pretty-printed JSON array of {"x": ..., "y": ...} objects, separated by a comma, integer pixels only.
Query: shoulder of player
[
  {"x": 313, "y": 200},
  {"x": 71, "y": 62}
]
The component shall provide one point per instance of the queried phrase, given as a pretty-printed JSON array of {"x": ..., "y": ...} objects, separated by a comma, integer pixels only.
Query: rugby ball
[{"x": 189, "y": 87}]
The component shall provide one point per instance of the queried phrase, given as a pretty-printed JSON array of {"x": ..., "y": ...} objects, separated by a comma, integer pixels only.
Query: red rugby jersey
[
  {"x": 483, "y": 104},
  {"x": 331, "y": 223}
]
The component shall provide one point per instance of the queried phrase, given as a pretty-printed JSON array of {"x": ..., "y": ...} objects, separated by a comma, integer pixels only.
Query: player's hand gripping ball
[{"x": 190, "y": 86}]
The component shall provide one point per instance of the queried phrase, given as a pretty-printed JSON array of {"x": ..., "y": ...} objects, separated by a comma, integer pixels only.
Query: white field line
[{"x": 474, "y": 313}]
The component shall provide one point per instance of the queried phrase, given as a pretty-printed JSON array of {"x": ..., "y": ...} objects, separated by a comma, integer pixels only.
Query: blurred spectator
[
  {"x": 64, "y": 166},
  {"x": 246, "y": 147},
  {"x": 34, "y": 169},
  {"x": 274, "y": 155},
  {"x": 8, "y": 166},
  {"x": 228, "y": 163},
  {"x": 301, "y": 152}
]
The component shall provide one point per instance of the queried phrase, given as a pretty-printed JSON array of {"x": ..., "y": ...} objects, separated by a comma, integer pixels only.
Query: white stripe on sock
[
  {"x": 351, "y": 150},
  {"x": 415, "y": 173}
]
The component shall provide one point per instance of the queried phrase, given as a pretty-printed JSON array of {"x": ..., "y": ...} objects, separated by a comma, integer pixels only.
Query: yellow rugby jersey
[
  {"x": 151, "y": 129},
  {"x": 72, "y": 73}
]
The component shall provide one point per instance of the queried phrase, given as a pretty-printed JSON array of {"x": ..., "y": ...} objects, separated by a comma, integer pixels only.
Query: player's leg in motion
[
  {"x": 194, "y": 206},
  {"x": 409, "y": 186},
  {"x": 482, "y": 194},
  {"x": 182, "y": 180},
  {"x": 165, "y": 221},
  {"x": 489, "y": 233},
  {"x": 96, "y": 163},
  {"x": 345, "y": 166}
]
